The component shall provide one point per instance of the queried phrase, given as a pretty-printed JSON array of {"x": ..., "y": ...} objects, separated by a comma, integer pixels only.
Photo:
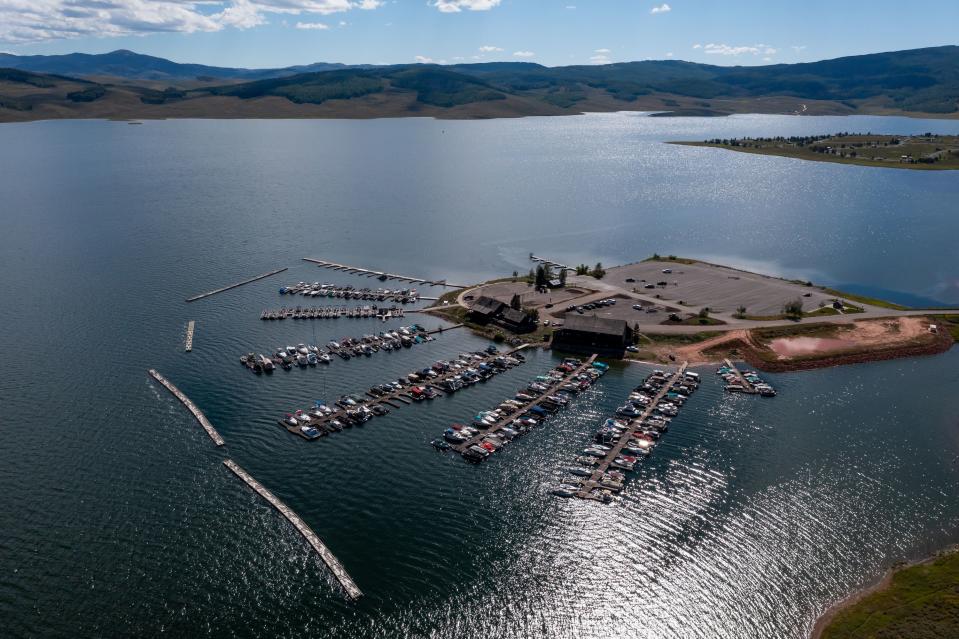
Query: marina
[
  {"x": 188, "y": 344},
  {"x": 352, "y": 591},
  {"x": 491, "y": 430},
  {"x": 231, "y": 286},
  {"x": 381, "y": 275},
  {"x": 197, "y": 413},
  {"x": 443, "y": 377},
  {"x": 333, "y": 312},
  {"x": 648, "y": 411}
]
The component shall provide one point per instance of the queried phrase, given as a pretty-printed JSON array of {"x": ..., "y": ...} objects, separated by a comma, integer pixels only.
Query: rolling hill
[{"x": 918, "y": 82}]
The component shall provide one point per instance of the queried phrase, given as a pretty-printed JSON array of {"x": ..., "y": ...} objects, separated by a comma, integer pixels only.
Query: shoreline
[{"x": 824, "y": 619}]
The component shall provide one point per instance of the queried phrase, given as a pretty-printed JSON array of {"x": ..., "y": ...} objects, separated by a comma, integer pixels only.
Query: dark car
[{"x": 629, "y": 279}]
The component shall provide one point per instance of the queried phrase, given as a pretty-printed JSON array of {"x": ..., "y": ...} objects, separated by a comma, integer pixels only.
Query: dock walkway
[
  {"x": 395, "y": 400},
  {"x": 593, "y": 482},
  {"x": 748, "y": 386},
  {"x": 371, "y": 273},
  {"x": 188, "y": 346},
  {"x": 501, "y": 424},
  {"x": 349, "y": 586},
  {"x": 227, "y": 288},
  {"x": 197, "y": 413},
  {"x": 546, "y": 262}
]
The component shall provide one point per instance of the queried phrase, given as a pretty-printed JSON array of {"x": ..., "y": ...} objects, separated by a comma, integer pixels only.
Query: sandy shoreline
[{"x": 825, "y": 618}]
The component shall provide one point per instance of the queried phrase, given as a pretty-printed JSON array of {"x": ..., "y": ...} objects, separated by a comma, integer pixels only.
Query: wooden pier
[
  {"x": 503, "y": 423},
  {"x": 334, "y": 312},
  {"x": 349, "y": 586},
  {"x": 227, "y": 288},
  {"x": 545, "y": 262},
  {"x": 197, "y": 413},
  {"x": 748, "y": 386},
  {"x": 397, "y": 399},
  {"x": 586, "y": 492},
  {"x": 188, "y": 346},
  {"x": 380, "y": 274}
]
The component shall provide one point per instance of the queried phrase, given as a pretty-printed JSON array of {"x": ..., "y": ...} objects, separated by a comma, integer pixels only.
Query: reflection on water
[{"x": 747, "y": 521}]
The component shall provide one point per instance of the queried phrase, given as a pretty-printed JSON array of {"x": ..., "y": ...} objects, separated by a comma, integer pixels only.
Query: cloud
[
  {"x": 798, "y": 48},
  {"x": 455, "y": 6},
  {"x": 489, "y": 48},
  {"x": 422, "y": 59},
  {"x": 669, "y": 54},
  {"x": 725, "y": 49},
  {"x": 599, "y": 59},
  {"x": 523, "y": 54},
  {"x": 697, "y": 46},
  {"x": 319, "y": 26},
  {"x": 571, "y": 6},
  {"x": 663, "y": 8},
  {"x": 602, "y": 51},
  {"x": 23, "y": 21}
]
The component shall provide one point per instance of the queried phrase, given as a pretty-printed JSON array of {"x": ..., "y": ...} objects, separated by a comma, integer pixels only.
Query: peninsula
[
  {"x": 668, "y": 308},
  {"x": 925, "y": 152}
]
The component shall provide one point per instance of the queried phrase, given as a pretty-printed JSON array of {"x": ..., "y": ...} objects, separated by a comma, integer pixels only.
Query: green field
[{"x": 921, "y": 602}]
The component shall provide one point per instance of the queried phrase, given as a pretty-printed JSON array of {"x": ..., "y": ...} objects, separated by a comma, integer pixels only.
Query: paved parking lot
[{"x": 720, "y": 288}]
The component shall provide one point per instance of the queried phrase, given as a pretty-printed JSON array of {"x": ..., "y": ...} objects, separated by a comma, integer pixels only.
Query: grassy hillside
[{"x": 920, "y": 81}]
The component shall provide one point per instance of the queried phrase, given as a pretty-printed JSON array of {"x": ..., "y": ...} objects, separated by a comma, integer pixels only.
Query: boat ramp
[
  {"x": 227, "y": 288},
  {"x": 197, "y": 413},
  {"x": 349, "y": 586},
  {"x": 382, "y": 275}
]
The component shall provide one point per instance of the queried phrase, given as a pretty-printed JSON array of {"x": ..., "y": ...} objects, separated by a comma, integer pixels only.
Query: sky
[{"x": 276, "y": 33}]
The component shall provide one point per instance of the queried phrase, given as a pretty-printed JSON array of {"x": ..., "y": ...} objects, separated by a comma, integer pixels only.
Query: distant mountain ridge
[
  {"x": 917, "y": 81},
  {"x": 130, "y": 65}
]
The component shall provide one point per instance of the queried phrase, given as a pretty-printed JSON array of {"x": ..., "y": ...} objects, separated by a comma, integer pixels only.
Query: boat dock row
[
  {"x": 382, "y": 275},
  {"x": 321, "y": 289},
  {"x": 749, "y": 382},
  {"x": 528, "y": 408},
  {"x": 227, "y": 288},
  {"x": 310, "y": 355},
  {"x": 188, "y": 345},
  {"x": 197, "y": 413},
  {"x": 333, "y": 312},
  {"x": 651, "y": 397},
  {"x": 349, "y": 586},
  {"x": 440, "y": 379}
]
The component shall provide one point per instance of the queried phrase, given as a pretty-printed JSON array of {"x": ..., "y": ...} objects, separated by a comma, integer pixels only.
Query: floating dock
[
  {"x": 349, "y": 586},
  {"x": 395, "y": 400},
  {"x": 188, "y": 346},
  {"x": 748, "y": 386},
  {"x": 227, "y": 288},
  {"x": 503, "y": 423},
  {"x": 197, "y": 413},
  {"x": 545, "y": 262},
  {"x": 586, "y": 492},
  {"x": 380, "y": 274},
  {"x": 334, "y": 312}
]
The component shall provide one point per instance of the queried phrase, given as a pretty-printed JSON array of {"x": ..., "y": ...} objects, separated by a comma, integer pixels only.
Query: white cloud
[
  {"x": 798, "y": 48},
  {"x": 23, "y": 21},
  {"x": 489, "y": 48},
  {"x": 571, "y": 6},
  {"x": 663, "y": 8},
  {"x": 523, "y": 54},
  {"x": 455, "y": 6},
  {"x": 725, "y": 49},
  {"x": 599, "y": 59},
  {"x": 697, "y": 46},
  {"x": 422, "y": 59},
  {"x": 602, "y": 51},
  {"x": 669, "y": 54},
  {"x": 319, "y": 26}
]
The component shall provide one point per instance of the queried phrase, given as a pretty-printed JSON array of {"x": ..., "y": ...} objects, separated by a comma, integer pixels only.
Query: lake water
[{"x": 750, "y": 518}]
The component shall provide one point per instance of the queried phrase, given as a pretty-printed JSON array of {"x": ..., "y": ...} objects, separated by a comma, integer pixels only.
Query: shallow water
[{"x": 747, "y": 521}]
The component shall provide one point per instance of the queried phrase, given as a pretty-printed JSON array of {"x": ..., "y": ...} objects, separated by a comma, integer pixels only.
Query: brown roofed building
[{"x": 591, "y": 334}]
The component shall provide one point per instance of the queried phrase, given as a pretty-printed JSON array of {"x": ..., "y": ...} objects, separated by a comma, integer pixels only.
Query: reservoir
[{"x": 750, "y": 518}]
